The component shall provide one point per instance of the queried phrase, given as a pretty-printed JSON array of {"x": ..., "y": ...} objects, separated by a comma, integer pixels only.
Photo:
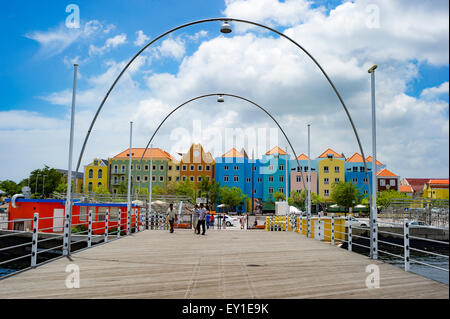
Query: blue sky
[{"x": 411, "y": 49}]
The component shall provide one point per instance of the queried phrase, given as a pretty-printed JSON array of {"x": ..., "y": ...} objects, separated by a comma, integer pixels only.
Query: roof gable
[
  {"x": 330, "y": 151},
  {"x": 369, "y": 159},
  {"x": 355, "y": 158},
  {"x": 137, "y": 153},
  {"x": 386, "y": 173},
  {"x": 233, "y": 153},
  {"x": 303, "y": 157},
  {"x": 276, "y": 150}
]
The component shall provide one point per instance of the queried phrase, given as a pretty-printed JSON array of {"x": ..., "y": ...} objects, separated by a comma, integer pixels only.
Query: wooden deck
[{"x": 222, "y": 264}]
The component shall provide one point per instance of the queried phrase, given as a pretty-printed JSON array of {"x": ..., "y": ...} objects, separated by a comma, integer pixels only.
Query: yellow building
[
  {"x": 173, "y": 170},
  {"x": 95, "y": 175},
  {"x": 331, "y": 170},
  {"x": 436, "y": 189}
]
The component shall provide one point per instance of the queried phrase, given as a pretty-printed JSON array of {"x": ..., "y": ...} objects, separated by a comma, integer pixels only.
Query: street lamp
[
  {"x": 373, "y": 217},
  {"x": 220, "y": 99},
  {"x": 43, "y": 185},
  {"x": 35, "y": 188},
  {"x": 226, "y": 28}
]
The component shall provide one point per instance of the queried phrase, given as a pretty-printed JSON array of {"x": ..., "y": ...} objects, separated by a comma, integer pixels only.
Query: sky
[{"x": 408, "y": 40}]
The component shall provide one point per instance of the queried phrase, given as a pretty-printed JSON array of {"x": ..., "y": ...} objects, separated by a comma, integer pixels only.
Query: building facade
[
  {"x": 386, "y": 180},
  {"x": 196, "y": 164},
  {"x": 298, "y": 174},
  {"x": 331, "y": 170},
  {"x": 436, "y": 189},
  {"x": 274, "y": 168},
  {"x": 355, "y": 173},
  {"x": 96, "y": 175}
]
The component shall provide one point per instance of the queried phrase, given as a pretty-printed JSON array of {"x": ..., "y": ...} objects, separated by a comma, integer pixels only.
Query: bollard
[
  {"x": 129, "y": 222},
  {"x": 319, "y": 235},
  {"x": 406, "y": 243},
  {"x": 301, "y": 225},
  {"x": 308, "y": 226},
  {"x": 34, "y": 240},
  {"x": 284, "y": 223},
  {"x": 118, "y": 224},
  {"x": 89, "y": 243},
  {"x": 106, "y": 225},
  {"x": 332, "y": 229},
  {"x": 375, "y": 241},
  {"x": 349, "y": 235}
]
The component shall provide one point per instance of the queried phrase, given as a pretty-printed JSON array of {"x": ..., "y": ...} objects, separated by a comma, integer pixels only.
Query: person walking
[
  {"x": 208, "y": 220},
  {"x": 201, "y": 220},
  {"x": 195, "y": 216},
  {"x": 172, "y": 216},
  {"x": 212, "y": 221}
]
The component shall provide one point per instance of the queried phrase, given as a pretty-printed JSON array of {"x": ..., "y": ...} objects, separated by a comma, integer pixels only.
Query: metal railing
[{"x": 354, "y": 235}]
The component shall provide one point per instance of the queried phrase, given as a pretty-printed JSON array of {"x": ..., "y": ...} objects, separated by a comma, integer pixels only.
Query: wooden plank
[{"x": 222, "y": 264}]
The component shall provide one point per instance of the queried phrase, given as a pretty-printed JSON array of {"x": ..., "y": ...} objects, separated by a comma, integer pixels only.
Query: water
[{"x": 4, "y": 271}]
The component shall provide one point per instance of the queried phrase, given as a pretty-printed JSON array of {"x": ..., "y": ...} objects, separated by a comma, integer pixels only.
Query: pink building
[{"x": 298, "y": 174}]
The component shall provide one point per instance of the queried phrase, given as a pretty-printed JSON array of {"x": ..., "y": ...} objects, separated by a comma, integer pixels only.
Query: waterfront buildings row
[{"x": 259, "y": 178}]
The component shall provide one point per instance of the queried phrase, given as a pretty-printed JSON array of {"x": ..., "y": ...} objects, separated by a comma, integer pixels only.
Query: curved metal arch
[
  {"x": 238, "y": 97},
  {"x": 235, "y": 20}
]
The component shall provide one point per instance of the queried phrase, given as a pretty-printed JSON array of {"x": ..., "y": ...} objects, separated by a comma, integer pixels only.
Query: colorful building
[
  {"x": 380, "y": 165},
  {"x": 331, "y": 170},
  {"x": 173, "y": 171},
  {"x": 274, "y": 165},
  {"x": 140, "y": 171},
  {"x": 386, "y": 180},
  {"x": 96, "y": 175},
  {"x": 299, "y": 173},
  {"x": 195, "y": 164},
  {"x": 79, "y": 179},
  {"x": 407, "y": 190},
  {"x": 355, "y": 173},
  {"x": 436, "y": 189}
]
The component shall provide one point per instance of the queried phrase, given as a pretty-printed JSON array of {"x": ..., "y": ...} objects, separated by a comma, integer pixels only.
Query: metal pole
[
  {"x": 34, "y": 240},
  {"x": 374, "y": 213},
  {"x": 150, "y": 182},
  {"x": 406, "y": 243},
  {"x": 43, "y": 186},
  {"x": 287, "y": 186},
  {"x": 308, "y": 209},
  {"x": 253, "y": 185},
  {"x": 129, "y": 182},
  {"x": 35, "y": 188},
  {"x": 68, "y": 208}
]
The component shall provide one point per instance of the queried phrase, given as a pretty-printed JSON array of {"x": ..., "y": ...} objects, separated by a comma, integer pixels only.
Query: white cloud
[
  {"x": 141, "y": 38},
  {"x": 172, "y": 48},
  {"x": 434, "y": 92},
  {"x": 110, "y": 43}
]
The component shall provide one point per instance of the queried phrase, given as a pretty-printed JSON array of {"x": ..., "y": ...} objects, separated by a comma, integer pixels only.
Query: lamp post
[
  {"x": 253, "y": 185},
  {"x": 37, "y": 178},
  {"x": 150, "y": 185},
  {"x": 308, "y": 209},
  {"x": 129, "y": 181},
  {"x": 43, "y": 185},
  {"x": 374, "y": 213}
]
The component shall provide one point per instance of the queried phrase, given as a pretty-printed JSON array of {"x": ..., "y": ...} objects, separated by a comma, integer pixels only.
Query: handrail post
[
  {"x": 308, "y": 226},
  {"x": 106, "y": 225},
  {"x": 332, "y": 229},
  {"x": 148, "y": 217},
  {"x": 34, "y": 242},
  {"x": 349, "y": 235},
  {"x": 375, "y": 239},
  {"x": 319, "y": 235},
  {"x": 118, "y": 224},
  {"x": 89, "y": 242},
  {"x": 406, "y": 243},
  {"x": 301, "y": 225}
]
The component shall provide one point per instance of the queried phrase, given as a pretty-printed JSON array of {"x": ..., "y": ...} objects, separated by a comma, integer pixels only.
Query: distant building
[
  {"x": 298, "y": 175},
  {"x": 273, "y": 168},
  {"x": 417, "y": 185},
  {"x": 380, "y": 165},
  {"x": 436, "y": 189},
  {"x": 387, "y": 180},
  {"x": 355, "y": 173},
  {"x": 195, "y": 164},
  {"x": 79, "y": 179},
  {"x": 331, "y": 169},
  {"x": 407, "y": 190},
  {"x": 96, "y": 175}
]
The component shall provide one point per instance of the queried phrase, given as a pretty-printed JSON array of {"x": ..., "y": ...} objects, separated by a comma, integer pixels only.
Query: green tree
[
  {"x": 102, "y": 190},
  {"x": 209, "y": 189},
  {"x": 158, "y": 190},
  {"x": 214, "y": 192},
  {"x": 384, "y": 197},
  {"x": 10, "y": 187},
  {"x": 53, "y": 179},
  {"x": 231, "y": 196},
  {"x": 186, "y": 188},
  {"x": 345, "y": 194},
  {"x": 297, "y": 199},
  {"x": 279, "y": 196}
]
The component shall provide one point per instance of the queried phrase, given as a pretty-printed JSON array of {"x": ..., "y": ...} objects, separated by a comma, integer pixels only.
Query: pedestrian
[
  {"x": 256, "y": 223},
  {"x": 195, "y": 216},
  {"x": 224, "y": 222},
  {"x": 201, "y": 220},
  {"x": 212, "y": 221},
  {"x": 208, "y": 220},
  {"x": 172, "y": 216}
]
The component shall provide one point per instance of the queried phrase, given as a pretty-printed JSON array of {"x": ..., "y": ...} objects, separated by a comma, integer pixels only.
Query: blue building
[
  {"x": 354, "y": 172},
  {"x": 234, "y": 169},
  {"x": 273, "y": 169}
]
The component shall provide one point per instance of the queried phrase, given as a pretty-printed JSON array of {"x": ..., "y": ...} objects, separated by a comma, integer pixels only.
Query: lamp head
[
  {"x": 226, "y": 28},
  {"x": 220, "y": 99},
  {"x": 373, "y": 68}
]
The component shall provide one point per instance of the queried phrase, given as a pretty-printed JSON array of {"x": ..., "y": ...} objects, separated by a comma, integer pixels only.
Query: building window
[
  {"x": 326, "y": 181},
  {"x": 281, "y": 190},
  {"x": 100, "y": 173},
  {"x": 281, "y": 179},
  {"x": 184, "y": 178},
  {"x": 115, "y": 179},
  {"x": 392, "y": 182},
  {"x": 306, "y": 168},
  {"x": 299, "y": 179},
  {"x": 131, "y": 167},
  {"x": 145, "y": 178},
  {"x": 382, "y": 182},
  {"x": 236, "y": 178},
  {"x": 336, "y": 180},
  {"x": 178, "y": 167},
  {"x": 225, "y": 178},
  {"x": 248, "y": 180},
  {"x": 90, "y": 187},
  {"x": 184, "y": 167},
  {"x": 91, "y": 173},
  {"x": 281, "y": 167},
  {"x": 138, "y": 167},
  {"x": 138, "y": 178},
  {"x": 355, "y": 169},
  {"x": 225, "y": 167},
  {"x": 355, "y": 180},
  {"x": 336, "y": 169},
  {"x": 361, "y": 169},
  {"x": 365, "y": 180},
  {"x": 99, "y": 184},
  {"x": 146, "y": 167},
  {"x": 326, "y": 192},
  {"x": 254, "y": 191},
  {"x": 259, "y": 180},
  {"x": 123, "y": 168},
  {"x": 236, "y": 168},
  {"x": 199, "y": 178},
  {"x": 114, "y": 191},
  {"x": 153, "y": 178},
  {"x": 254, "y": 168},
  {"x": 177, "y": 179},
  {"x": 207, "y": 178},
  {"x": 271, "y": 178},
  {"x": 161, "y": 178},
  {"x": 83, "y": 213},
  {"x": 365, "y": 192},
  {"x": 115, "y": 168},
  {"x": 191, "y": 178},
  {"x": 161, "y": 167},
  {"x": 270, "y": 190},
  {"x": 154, "y": 168},
  {"x": 325, "y": 169},
  {"x": 207, "y": 168},
  {"x": 200, "y": 168},
  {"x": 192, "y": 168},
  {"x": 169, "y": 178},
  {"x": 122, "y": 178},
  {"x": 170, "y": 167}
]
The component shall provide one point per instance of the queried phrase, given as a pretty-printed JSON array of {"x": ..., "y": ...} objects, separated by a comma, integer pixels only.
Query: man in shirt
[
  {"x": 172, "y": 216},
  {"x": 201, "y": 220}
]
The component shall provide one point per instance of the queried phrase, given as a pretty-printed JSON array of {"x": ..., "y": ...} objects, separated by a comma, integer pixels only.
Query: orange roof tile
[
  {"x": 355, "y": 158},
  {"x": 438, "y": 181},
  {"x": 386, "y": 173},
  {"x": 369, "y": 159},
  {"x": 137, "y": 153},
  {"x": 303, "y": 157},
  {"x": 406, "y": 189},
  {"x": 330, "y": 151},
  {"x": 233, "y": 153},
  {"x": 276, "y": 150}
]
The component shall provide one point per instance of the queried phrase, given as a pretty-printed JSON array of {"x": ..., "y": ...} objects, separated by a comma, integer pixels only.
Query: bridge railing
[{"x": 405, "y": 242}]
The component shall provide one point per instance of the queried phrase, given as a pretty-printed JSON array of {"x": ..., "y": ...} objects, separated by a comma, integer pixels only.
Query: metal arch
[
  {"x": 235, "y": 20},
  {"x": 238, "y": 97}
]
